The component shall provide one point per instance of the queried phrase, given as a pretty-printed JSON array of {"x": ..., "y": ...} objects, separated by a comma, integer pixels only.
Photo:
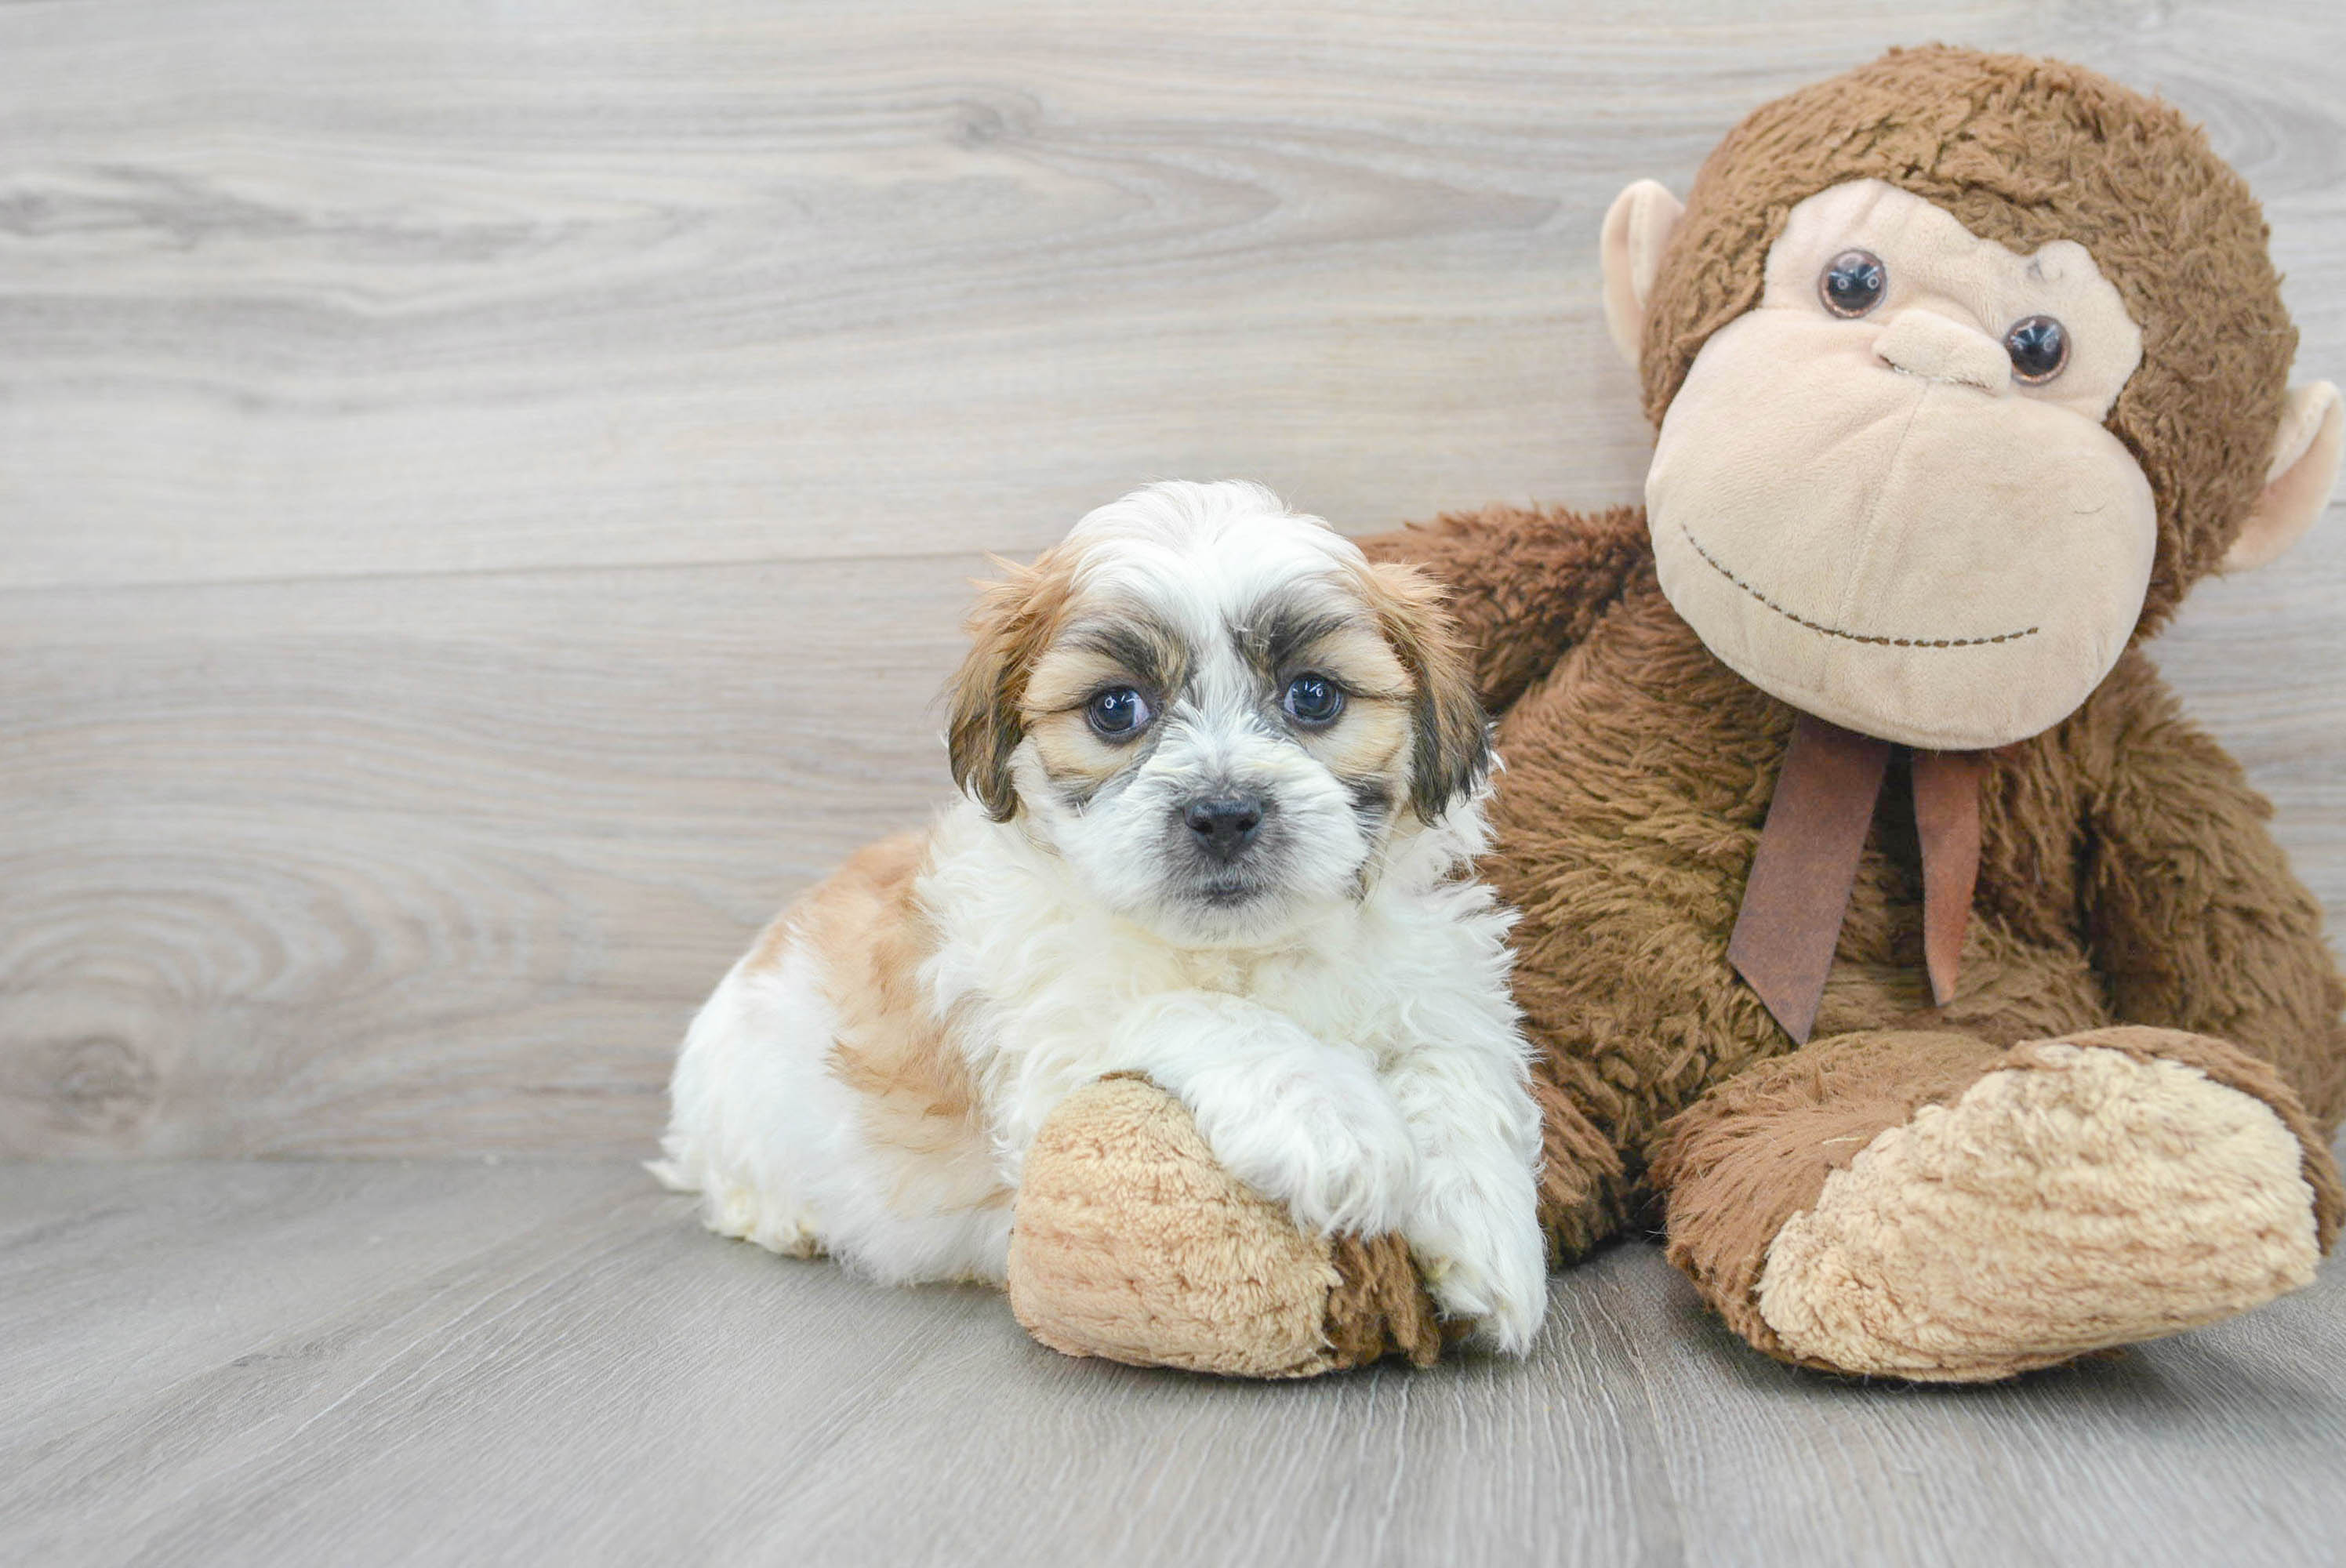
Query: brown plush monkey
[{"x": 1890, "y": 935}]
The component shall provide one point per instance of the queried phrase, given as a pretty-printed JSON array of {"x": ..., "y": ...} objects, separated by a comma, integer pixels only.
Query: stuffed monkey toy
[{"x": 1888, "y": 936}]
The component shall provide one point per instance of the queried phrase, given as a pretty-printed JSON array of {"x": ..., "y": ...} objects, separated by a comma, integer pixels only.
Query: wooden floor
[
  {"x": 442, "y": 1362},
  {"x": 486, "y": 493}
]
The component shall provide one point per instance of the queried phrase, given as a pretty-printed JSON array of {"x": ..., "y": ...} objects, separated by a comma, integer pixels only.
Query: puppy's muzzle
[{"x": 1224, "y": 825}]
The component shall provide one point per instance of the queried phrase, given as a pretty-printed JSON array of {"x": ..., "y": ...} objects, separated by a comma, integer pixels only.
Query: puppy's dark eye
[
  {"x": 1314, "y": 699},
  {"x": 1119, "y": 713},
  {"x": 1853, "y": 283},
  {"x": 2039, "y": 347}
]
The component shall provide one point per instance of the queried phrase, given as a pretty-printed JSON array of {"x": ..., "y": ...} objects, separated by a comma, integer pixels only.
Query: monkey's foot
[
  {"x": 2076, "y": 1197},
  {"x": 1131, "y": 1243}
]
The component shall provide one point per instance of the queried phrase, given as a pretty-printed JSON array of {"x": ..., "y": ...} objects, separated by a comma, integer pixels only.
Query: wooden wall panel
[{"x": 486, "y": 495}]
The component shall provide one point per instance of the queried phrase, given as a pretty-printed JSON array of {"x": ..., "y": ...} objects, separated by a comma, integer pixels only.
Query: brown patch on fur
[
  {"x": 1099, "y": 650},
  {"x": 869, "y": 932},
  {"x": 1368, "y": 747},
  {"x": 1371, "y": 747},
  {"x": 1072, "y": 755},
  {"x": 1107, "y": 645},
  {"x": 1015, "y": 619},
  {"x": 2025, "y": 151},
  {"x": 1450, "y": 746}
]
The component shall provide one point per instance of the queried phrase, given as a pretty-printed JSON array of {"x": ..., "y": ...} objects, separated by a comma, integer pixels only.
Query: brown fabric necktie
[{"x": 1797, "y": 893}]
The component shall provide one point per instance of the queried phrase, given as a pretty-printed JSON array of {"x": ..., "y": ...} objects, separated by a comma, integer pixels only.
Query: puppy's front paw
[
  {"x": 1483, "y": 1259},
  {"x": 1333, "y": 1147}
]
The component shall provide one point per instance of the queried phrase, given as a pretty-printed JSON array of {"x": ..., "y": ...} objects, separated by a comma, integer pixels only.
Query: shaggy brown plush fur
[{"x": 2127, "y": 874}]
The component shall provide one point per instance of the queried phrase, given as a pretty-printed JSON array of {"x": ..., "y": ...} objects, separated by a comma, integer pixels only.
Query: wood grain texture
[
  {"x": 359, "y": 1363},
  {"x": 443, "y": 862},
  {"x": 485, "y": 493}
]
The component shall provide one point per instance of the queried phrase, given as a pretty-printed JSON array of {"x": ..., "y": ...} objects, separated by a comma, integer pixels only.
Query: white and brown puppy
[{"x": 1222, "y": 786}]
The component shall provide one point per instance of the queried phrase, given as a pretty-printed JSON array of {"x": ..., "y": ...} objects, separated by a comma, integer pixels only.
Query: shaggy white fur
[{"x": 1328, "y": 994}]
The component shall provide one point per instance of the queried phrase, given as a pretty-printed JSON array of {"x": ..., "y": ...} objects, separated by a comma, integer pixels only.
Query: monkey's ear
[
  {"x": 1636, "y": 229},
  {"x": 2304, "y": 469}
]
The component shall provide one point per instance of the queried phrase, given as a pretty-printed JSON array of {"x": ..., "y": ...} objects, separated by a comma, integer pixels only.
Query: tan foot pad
[
  {"x": 1131, "y": 1243},
  {"x": 2092, "y": 1200}
]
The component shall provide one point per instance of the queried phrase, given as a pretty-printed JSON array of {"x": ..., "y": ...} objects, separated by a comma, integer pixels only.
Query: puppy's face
[{"x": 1216, "y": 712}]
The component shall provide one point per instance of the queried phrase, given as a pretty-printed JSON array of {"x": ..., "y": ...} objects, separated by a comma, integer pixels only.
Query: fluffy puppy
[{"x": 1222, "y": 783}]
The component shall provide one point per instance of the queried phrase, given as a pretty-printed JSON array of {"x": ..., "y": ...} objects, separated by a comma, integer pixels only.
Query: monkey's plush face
[{"x": 1885, "y": 493}]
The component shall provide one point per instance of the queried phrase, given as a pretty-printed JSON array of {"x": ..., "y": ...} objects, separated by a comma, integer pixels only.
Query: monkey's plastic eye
[
  {"x": 1119, "y": 713},
  {"x": 1314, "y": 699},
  {"x": 2039, "y": 347},
  {"x": 1853, "y": 283}
]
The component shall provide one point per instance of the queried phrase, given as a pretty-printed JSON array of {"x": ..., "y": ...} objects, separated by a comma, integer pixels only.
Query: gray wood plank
[
  {"x": 2220, "y": 1446},
  {"x": 232, "y": 1262},
  {"x": 486, "y": 496},
  {"x": 296, "y": 290},
  {"x": 427, "y": 864},
  {"x": 571, "y": 1372}
]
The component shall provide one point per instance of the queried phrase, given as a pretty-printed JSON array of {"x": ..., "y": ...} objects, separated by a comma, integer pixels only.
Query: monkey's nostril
[{"x": 1224, "y": 826}]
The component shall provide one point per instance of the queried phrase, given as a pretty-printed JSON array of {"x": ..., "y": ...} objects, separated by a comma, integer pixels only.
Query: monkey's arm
[
  {"x": 2195, "y": 918},
  {"x": 1525, "y": 584}
]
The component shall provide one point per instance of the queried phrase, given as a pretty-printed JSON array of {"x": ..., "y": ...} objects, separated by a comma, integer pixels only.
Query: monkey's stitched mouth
[{"x": 1800, "y": 620}]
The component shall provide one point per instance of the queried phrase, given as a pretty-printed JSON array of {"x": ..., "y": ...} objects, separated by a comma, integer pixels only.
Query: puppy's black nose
[{"x": 1224, "y": 827}]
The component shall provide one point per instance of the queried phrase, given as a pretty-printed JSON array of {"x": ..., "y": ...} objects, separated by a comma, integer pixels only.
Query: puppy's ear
[
  {"x": 1013, "y": 621},
  {"x": 1451, "y": 748}
]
